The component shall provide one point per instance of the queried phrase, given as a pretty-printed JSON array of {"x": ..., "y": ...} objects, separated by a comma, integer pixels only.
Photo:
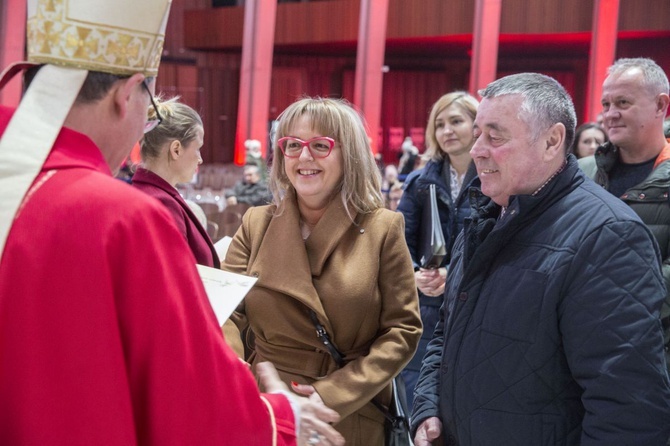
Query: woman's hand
[
  {"x": 428, "y": 432},
  {"x": 308, "y": 391},
  {"x": 315, "y": 418},
  {"x": 431, "y": 281}
]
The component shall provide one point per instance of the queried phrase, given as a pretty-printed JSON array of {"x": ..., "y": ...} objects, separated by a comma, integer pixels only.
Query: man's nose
[
  {"x": 610, "y": 113},
  {"x": 476, "y": 149}
]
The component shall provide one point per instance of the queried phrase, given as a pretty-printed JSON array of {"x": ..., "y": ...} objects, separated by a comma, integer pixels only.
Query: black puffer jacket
[
  {"x": 650, "y": 202},
  {"x": 552, "y": 335}
]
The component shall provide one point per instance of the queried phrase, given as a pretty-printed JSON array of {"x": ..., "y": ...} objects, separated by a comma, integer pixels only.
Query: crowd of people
[
  {"x": 547, "y": 321},
  {"x": 550, "y": 324}
]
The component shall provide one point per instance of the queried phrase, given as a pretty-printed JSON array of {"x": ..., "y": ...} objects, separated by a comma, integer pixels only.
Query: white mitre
[
  {"x": 115, "y": 36},
  {"x": 71, "y": 37}
]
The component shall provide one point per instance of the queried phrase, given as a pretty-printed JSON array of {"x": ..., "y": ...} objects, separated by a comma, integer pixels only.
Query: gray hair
[
  {"x": 252, "y": 167},
  {"x": 655, "y": 79},
  {"x": 545, "y": 102}
]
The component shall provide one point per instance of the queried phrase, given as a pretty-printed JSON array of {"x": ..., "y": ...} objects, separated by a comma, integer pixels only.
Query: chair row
[{"x": 226, "y": 222}]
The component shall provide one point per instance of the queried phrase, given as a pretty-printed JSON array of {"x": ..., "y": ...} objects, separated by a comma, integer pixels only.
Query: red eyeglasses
[{"x": 319, "y": 147}]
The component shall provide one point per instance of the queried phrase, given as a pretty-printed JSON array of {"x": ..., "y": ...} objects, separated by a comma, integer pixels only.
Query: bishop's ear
[{"x": 123, "y": 92}]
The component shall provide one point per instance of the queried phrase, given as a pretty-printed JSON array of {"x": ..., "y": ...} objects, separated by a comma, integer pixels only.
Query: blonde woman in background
[
  {"x": 449, "y": 138},
  {"x": 170, "y": 155}
]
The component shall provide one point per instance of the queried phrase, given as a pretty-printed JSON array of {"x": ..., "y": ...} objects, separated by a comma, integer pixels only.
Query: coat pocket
[{"x": 515, "y": 305}]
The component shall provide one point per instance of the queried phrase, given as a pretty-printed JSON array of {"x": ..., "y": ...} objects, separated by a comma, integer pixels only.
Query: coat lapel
[
  {"x": 290, "y": 271},
  {"x": 327, "y": 234},
  {"x": 281, "y": 263}
]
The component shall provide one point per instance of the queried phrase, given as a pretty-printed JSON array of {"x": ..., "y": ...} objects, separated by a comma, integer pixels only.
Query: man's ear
[
  {"x": 662, "y": 104},
  {"x": 123, "y": 93},
  {"x": 554, "y": 140}
]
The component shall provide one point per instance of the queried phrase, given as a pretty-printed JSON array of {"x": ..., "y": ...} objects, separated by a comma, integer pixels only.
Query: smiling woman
[
  {"x": 328, "y": 251},
  {"x": 348, "y": 168},
  {"x": 313, "y": 168}
]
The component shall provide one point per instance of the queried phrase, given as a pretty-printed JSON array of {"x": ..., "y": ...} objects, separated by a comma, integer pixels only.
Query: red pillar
[
  {"x": 602, "y": 53},
  {"x": 12, "y": 36},
  {"x": 485, "y": 44},
  {"x": 369, "y": 62},
  {"x": 255, "y": 72}
]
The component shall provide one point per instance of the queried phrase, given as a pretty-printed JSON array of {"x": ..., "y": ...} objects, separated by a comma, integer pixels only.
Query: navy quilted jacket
[
  {"x": 649, "y": 200},
  {"x": 416, "y": 195},
  {"x": 452, "y": 215},
  {"x": 553, "y": 334}
]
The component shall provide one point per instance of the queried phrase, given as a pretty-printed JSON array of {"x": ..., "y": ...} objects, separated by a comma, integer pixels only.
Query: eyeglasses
[
  {"x": 319, "y": 147},
  {"x": 151, "y": 123}
]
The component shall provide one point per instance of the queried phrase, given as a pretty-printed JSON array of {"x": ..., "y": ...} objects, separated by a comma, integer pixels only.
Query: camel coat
[{"x": 358, "y": 279}]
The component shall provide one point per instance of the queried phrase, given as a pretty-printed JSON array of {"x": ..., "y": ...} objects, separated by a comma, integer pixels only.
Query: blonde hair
[
  {"x": 360, "y": 188},
  {"x": 180, "y": 122},
  {"x": 461, "y": 98}
]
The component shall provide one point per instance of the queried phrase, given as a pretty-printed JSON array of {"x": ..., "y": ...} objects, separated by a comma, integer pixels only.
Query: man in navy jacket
[{"x": 550, "y": 330}]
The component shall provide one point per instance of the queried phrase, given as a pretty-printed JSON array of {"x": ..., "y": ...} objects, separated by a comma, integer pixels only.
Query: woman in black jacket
[{"x": 449, "y": 140}]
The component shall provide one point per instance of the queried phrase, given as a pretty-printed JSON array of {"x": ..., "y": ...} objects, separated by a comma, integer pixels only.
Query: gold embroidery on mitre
[
  {"x": 124, "y": 50},
  {"x": 84, "y": 48},
  {"x": 54, "y": 38}
]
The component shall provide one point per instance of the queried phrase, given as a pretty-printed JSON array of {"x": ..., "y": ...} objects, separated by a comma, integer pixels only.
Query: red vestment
[{"x": 106, "y": 334}]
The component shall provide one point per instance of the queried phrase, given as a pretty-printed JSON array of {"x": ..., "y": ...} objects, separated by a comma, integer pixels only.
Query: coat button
[
  {"x": 362, "y": 231},
  {"x": 463, "y": 296},
  {"x": 642, "y": 196},
  {"x": 254, "y": 274}
]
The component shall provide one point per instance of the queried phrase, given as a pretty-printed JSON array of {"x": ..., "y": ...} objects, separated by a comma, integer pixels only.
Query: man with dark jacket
[
  {"x": 635, "y": 164},
  {"x": 251, "y": 190},
  {"x": 550, "y": 330}
]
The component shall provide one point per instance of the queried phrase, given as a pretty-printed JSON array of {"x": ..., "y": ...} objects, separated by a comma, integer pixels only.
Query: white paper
[
  {"x": 225, "y": 290},
  {"x": 221, "y": 247}
]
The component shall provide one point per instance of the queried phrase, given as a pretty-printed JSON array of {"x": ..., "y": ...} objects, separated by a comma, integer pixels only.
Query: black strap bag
[{"x": 396, "y": 426}]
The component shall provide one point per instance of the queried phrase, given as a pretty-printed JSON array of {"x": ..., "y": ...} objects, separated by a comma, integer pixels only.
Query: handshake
[{"x": 313, "y": 417}]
